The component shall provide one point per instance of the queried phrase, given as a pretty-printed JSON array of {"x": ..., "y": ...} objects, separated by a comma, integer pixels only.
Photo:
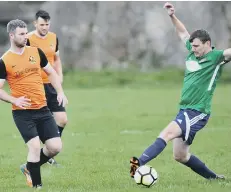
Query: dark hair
[
  {"x": 43, "y": 14},
  {"x": 13, "y": 24},
  {"x": 201, "y": 34}
]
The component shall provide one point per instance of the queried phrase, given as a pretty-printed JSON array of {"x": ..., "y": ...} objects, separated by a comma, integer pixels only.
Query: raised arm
[
  {"x": 180, "y": 28},
  {"x": 227, "y": 54}
]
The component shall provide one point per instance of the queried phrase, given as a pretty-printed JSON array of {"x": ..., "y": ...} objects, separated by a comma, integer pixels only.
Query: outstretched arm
[
  {"x": 180, "y": 28},
  {"x": 227, "y": 54}
]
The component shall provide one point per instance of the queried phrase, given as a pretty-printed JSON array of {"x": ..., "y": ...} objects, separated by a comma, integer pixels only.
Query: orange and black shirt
[
  {"x": 49, "y": 45},
  {"x": 23, "y": 73}
]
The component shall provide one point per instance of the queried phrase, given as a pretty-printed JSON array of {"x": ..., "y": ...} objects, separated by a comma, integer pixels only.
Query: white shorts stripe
[
  {"x": 197, "y": 118},
  {"x": 187, "y": 120}
]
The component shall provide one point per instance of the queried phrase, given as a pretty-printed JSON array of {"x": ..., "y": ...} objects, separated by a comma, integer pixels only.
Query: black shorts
[
  {"x": 36, "y": 122},
  {"x": 51, "y": 96}
]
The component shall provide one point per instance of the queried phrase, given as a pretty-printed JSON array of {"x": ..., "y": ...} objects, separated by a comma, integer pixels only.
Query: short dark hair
[
  {"x": 13, "y": 24},
  {"x": 201, "y": 34},
  {"x": 43, "y": 14}
]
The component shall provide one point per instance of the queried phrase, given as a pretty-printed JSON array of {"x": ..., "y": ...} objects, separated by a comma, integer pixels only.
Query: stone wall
[{"x": 97, "y": 35}]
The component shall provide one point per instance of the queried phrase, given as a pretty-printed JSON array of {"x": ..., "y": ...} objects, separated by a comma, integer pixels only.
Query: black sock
[
  {"x": 199, "y": 167},
  {"x": 43, "y": 158},
  {"x": 34, "y": 169},
  {"x": 60, "y": 130}
]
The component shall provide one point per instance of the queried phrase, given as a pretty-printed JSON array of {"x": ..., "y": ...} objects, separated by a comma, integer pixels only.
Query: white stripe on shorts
[
  {"x": 187, "y": 121},
  {"x": 197, "y": 118}
]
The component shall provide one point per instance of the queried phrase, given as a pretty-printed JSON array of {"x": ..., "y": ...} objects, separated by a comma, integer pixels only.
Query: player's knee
[
  {"x": 180, "y": 157},
  {"x": 62, "y": 120},
  {"x": 55, "y": 149},
  {"x": 55, "y": 146}
]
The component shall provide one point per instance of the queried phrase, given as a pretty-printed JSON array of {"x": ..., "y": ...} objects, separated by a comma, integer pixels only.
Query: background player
[{"x": 48, "y": 42}]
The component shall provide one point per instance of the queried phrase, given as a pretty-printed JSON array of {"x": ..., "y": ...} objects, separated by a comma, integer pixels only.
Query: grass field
[{"x": 106, "y": 127}]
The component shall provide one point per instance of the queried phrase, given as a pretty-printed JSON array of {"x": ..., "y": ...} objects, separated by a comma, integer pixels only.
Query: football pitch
[{"x": 108, "y": 126}]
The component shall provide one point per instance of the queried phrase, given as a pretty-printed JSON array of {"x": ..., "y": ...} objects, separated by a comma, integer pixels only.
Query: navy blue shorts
[{"x": 191, "y": 121}]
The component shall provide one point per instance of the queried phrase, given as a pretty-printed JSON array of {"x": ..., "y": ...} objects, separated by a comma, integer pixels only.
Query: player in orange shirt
[
  {"x": 21, "y": 67},
  {"x": 48, "y": 43}
]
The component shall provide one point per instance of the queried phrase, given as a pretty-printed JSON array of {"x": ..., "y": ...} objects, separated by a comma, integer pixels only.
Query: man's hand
[
  {"x": 170, "y": 8},
  {"x": 22, "y": 102},
  {"x": 62, "y": 99},
  {"x": 180, "y": 28}
]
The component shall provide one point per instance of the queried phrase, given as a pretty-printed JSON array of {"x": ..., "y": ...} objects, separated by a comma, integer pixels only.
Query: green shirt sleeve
[
  {"x": 219, "y": 56},
  {"x": 188, "y": 45}
]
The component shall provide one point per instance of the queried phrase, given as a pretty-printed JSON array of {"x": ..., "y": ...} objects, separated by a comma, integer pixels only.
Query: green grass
[
  {"x": 132, "y": 79},
  {"x": 106, "y": 127}
]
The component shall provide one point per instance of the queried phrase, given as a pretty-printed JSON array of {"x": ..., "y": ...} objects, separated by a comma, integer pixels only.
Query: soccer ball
[{"x": 146, "y": 175}]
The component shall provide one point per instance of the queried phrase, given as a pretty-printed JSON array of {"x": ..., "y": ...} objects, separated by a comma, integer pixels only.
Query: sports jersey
[
  {"x": 200, "y": 79},
  {"x": 23, "y": 73},
  {"x": 48, "y": 44}
]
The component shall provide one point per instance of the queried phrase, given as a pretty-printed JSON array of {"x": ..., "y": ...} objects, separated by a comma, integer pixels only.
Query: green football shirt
[{"x": 200, "y": 79}]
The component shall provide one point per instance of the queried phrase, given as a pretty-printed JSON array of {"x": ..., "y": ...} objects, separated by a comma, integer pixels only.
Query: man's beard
[
  {"x": 42, "y": 34},
  {"x": 19, "y": 45}
]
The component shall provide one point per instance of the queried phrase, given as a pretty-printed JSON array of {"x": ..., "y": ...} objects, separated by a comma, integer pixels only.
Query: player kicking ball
[{"x": 203, "y": 69}]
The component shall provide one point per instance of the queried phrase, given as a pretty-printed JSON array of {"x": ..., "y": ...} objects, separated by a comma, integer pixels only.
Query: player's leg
[
  {"x": 60, "y": 119},
  {"x": 180, "y": 150},
  {"x": 49, "y": 135},
  {"x": 193, "y": 122},
  {"x": 170, "y": 132},
  {"x": 52, "y": 147},
  {"x": 33, "y": 160},
  {"x": 27, "y": 128},
  {"x": 58, "y": 112},
  {"x": 182, "y": 155}
]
